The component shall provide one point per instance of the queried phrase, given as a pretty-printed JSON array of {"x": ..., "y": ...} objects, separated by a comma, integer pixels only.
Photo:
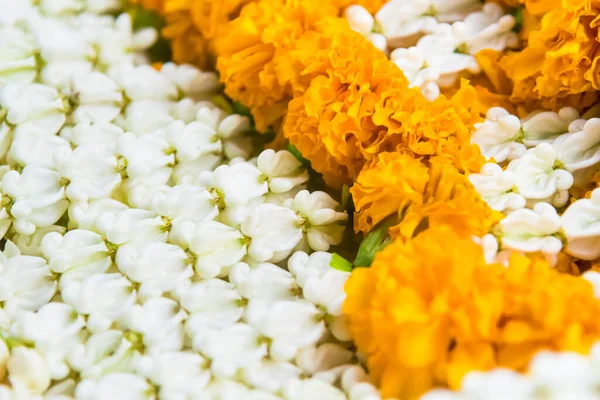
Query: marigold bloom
[
  {"x": 559, "y": 67},
  {"x": 193, "y": 24},
  {"x": 397, "y": 184},
  {"x": 359, "y": 105},
  {"x": 391, "y": 183},
  {"x": 255, "y": 62},
  {"x": 430, "y": 310}
]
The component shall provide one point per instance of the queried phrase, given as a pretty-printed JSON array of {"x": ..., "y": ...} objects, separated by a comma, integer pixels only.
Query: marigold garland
[{"x": 429, "y": 310}]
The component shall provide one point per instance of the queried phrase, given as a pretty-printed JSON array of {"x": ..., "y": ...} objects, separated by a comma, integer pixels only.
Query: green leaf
[
  {"x": 373, "y": 243},
  {"x": 292, "y": 149},
  {"x": 340, "y": 263},
  {"x": 518, "y": 14},
  {"x": 346, "y": 198}
]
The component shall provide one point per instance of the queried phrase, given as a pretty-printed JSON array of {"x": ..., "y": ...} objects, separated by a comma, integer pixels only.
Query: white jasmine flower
[
  {"x": 215, "y": 246},
  {"x": 532, "y": 230},
  {"x": 230, "y": 128},
  {"x": 31, "y": 245},
  {"x": 159, "y": 321},
  {"x": 379, "y": 41},
  {"x": 359, "y": 19},
  {"x": 98, "y": 98},
  {"x": 53, "y": 330},
  {"x": 91, "y": 172},
  {"x": 563, "y": 373},
  {"x": 269, "y": 375},
  {"x": 413, "y": 63},
  {"x": 11, "y": 12},
  {"x": 27, "y": 367},
  {"x": 17, "y": 56},
  {"x": 66, "y": 53},
  {"x": 211, "y": 303},
  {"x": 76, "y": 255},
  {"x": 230, "y": 348},
  {"x": 291, "y": 324},
  {"x": 100, "y": 134},
  {"x": 298, "y": 389},
  {"x": 237, "y": 184},
  {"x": 146, "y": 116},
  {"x": 498, "y": 136},
  {"x": 489, "y": 28},
  {"x": 33, "y": 106},
  {"x": 190, "y": 80},
  {"x": 102, "y": 6},
  {"x": 146, "y": 156},
  {"x": 37, "y": 196},
  {"x": 263, "y": 281},
  {"x": 594, "y": 278},
  {"x": 315, "y": 359},
  {"x": 498, "y": 187},
  {"x": 104, "y": 352},
  {"x": 132, "y": 224},
  {"x": 192, "y": 141},
  {"x": 184, "y": 203},
  {"x": 179, "y": 375},
  {"x": 85, "y": 215},
  {"x": 497, "y": 385},
  {"x": 274, "y": 232},
  {"x": 103, "y": 298},
  {"x": 188, "y": 173},
  {"x": 58, "y": 7},
  {"x": 119, "y": 44},
  {"x": 116, "y": 386},
  {"x": 158, "y": 267},
  {"x": 143, "y": 83},
  {"x": 26, "y": 282},
  {"x": 356, "y": 384},
  {"x": 579, "y": 151},
  {"x": 402, "y": 22},
  {"x": 490, "y": 246},
  {"x": 35, "y": 148},
  {"x": 540, "y": 178},
  {"x": 323, "y": 224},
  {"x": 545, "y": 126},
  {"x": 281, "y": 170},
  {"x": 581, "y": 226}
]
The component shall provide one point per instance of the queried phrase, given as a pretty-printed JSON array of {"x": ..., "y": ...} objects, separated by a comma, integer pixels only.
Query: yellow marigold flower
[
  {"x": 371, "y": 5},
  {"x": 388, "y": 185},
  {"x": 397, "y": 184},
  {"x": 559, "y": 67},
  {"x": 333, "y": 124},
  {"x": 430, "y": 310},
  {"x": 191, "y": 25},
  {"x": 255, "y": 62},
  {"x": 449, "y": 200}
]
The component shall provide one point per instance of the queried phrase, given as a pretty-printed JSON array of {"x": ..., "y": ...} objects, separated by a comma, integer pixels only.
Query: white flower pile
[
  {"x": 544, "y": 155},
  {"x": 434, "y": 42},
  {"x": 552, "y": 376},
  {"x": 146, "y": 255}
]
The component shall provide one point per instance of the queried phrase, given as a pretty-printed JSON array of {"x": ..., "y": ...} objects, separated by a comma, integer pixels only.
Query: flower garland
[{"x": 470, "y": 214}]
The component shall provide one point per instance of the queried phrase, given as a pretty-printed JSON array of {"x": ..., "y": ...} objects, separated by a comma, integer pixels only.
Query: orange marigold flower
[
  {"x": 371, "y": 5},
  {"x": 430, "y": 310},
  {"x": 560, "y": 65},
  {"x": 397, "y": 184},
  {"x": 255, "y": 62},
  {"x": 449, "y": 200},
  {"x": 391, "y": 183},
  {"x": 359, "y": 105},
  {"x": 333, "y": 124},
  {"x": 191, "y": 25}
]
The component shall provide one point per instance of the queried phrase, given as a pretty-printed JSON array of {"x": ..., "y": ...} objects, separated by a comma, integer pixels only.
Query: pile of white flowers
[
  {"x": 434, "y": 42},
  {"x": 537, "y": 161},
  {"x": 146, "y": 254}
]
